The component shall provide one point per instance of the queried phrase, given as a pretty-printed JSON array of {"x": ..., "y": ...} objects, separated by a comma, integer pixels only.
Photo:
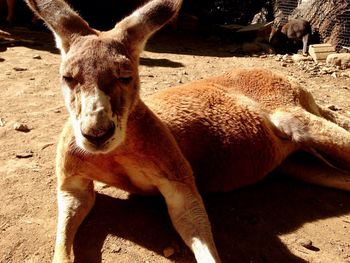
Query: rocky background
[{"x": 330, "y": 20}]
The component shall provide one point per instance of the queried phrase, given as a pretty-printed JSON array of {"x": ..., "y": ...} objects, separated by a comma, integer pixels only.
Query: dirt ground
[{"x": 274, "y": 221}]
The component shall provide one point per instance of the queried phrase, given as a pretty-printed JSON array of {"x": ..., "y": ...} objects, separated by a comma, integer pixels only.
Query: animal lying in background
[
  {"x": 295, "y": 29},
  {"x": 216, "y": 134}
]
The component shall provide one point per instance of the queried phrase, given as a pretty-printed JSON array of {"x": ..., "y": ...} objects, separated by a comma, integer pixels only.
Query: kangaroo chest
[{"x": 128, "y": 173}]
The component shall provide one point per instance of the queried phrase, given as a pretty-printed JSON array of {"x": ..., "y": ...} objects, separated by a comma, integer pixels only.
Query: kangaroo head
[{"x": 99, "y": 70}]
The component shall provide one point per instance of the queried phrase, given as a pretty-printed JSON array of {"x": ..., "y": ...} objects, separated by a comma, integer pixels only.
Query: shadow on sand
[
  {"x": 163, "y": 42},
  {"x": 246, "y": 223}
]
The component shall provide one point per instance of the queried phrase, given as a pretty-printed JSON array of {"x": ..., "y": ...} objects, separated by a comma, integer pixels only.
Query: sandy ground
[{"x": 270, "y": 222}]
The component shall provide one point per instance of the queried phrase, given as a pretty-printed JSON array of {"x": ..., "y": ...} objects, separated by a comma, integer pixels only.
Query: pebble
[
  {"x": 277, "y": 58},
  {"x": 116, "y": 250},
  {"x": 23, "y": 155},
  {"x": 168, "y": 252},
  {"x": 21, "y": 127},
  {"x": 2, "y": 122},
  {"x": 285, "y": 57},
  {"x": 300, "y": 58},
  {"x": 306, "y": 243},
  {"x": 333, "y": 107},
  {"x": 321, "y": 69},
  {"x": 37, "y": 57},
  {"x": 19, "y": 69}
]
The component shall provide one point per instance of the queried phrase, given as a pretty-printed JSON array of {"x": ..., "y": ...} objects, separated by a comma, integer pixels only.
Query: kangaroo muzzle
[{"x": 97, "y": 128}]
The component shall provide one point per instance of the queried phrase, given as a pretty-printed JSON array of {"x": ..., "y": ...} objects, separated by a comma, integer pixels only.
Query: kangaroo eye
[{"x": 70, "y": 81}]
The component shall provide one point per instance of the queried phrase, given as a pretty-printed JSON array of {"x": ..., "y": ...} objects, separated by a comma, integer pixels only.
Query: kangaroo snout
[
  {"x": 98, "y": 136},
  {"x": 97, "y": 127}
]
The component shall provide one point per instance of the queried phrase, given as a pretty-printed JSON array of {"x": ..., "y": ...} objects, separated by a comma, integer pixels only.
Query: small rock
[
  {"x": 334, "y": 75},
  {"x": 37, "y": 56},
  {"x": 263, "y": 56},
  {"x": 2, "y": 122},
  {"x": 19, "y": 69},
  {"x": 116, "y": 250},
  {"x": 284, "y": 64},
  {"x": 32, "y": 78},
  {"x": 300, "y": 58},
  {"x": 168, "y": 252},
  {"x": 4, "y": 226},
  {"x": 23, "y": 155},
  {"x": 345, "y": 74},
  {"x": 313, "y": 68},
  {"x": 333, "y": 107},
  {"x": 342, "y": 60},
  {"x": 285, "y": 57},
  {"x": 306, "y": 243},
  {"x": 21, "y": 127}
]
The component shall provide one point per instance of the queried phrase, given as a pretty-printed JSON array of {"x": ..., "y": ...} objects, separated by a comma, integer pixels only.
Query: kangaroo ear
[
  {"x": 135, "y": 29},
  {"x": 62, "y": 20}
]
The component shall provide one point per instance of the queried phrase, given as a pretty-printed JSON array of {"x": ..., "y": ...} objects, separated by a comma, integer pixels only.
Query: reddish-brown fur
[
  {"x": 216, "y": 134},
  {"x": 296, "y": 29}
]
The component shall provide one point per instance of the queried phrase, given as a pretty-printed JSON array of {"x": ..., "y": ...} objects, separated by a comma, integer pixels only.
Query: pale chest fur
[
  {"x": 125, "y": 172},
  {"x": 131, "y": 172}
]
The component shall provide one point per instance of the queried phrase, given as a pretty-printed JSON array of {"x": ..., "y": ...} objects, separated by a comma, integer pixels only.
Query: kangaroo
[
  {"x": 212, "y": 135},
  {"x": 295, "y": 29}
]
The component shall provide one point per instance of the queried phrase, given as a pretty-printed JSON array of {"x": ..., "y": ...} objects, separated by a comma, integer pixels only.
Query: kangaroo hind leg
[
  {"x": 342, "y": 120},
  {"x": 307, "y": 168},
  {"x": 316, "y": 135},
  {"x": 308, "y": 102}
]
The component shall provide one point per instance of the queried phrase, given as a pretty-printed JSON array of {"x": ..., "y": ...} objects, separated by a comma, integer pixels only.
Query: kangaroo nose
[{"x": 99, "y": 136}]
